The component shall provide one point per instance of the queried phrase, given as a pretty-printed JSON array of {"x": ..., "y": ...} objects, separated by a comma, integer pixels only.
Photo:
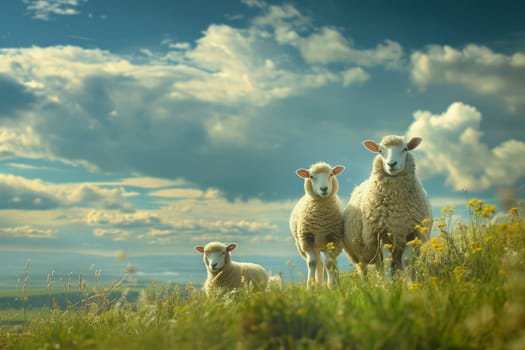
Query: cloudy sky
[{"x": 153, "y": 126}]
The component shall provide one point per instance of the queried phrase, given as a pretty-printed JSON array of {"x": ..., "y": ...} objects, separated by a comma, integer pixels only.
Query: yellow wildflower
[
  {"x": 444, "y": 209},
  {"x": 426, "y": 221},
  {"x": 414, "y": 242},
  {"x": 512, "y": 228},
  {"x": 488, "y": 210},
  {"x": 387, "y": 245},
  {"x": 513, "y": 211},
  {"x": 436, "y": 244},
  {"x": 476, "y": 250},
  {"x": 414, "y": 286},
  {"x": 423, "y": 230},
  {"x": 330, "y": 246}
]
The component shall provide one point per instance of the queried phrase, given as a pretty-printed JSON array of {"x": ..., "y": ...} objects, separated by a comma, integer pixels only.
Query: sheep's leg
[
  {"x": 331, "y": 265},
  {"x": 396, "y": 265},
  {"x": 311, "y": 261},
  {"x": 319, "y": 268}
]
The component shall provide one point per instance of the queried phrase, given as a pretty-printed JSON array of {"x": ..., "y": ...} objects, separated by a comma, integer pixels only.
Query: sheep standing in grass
[
  {"x": 316, "y": 221},
  {"x": 224, "y": 273},
  {"x": 385, "y": 208}
]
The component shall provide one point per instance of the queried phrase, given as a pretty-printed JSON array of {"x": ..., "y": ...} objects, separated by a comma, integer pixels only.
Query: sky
[{"x": 153, "y": 126}]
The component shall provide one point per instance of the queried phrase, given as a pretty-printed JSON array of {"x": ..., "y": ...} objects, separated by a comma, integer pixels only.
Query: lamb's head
[
  {"x": 393, "y": 151},
  {"x": 320, "y": 179},
  {"x": 216, "y": 255}
]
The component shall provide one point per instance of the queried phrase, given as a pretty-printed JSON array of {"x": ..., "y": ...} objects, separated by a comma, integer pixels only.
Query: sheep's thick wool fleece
[
  {"x": 315, "y": 221},
  {"x": 385, "y": 206},
  {"x": 237, "y": 275},
  {"x": 234, "y": 274}
]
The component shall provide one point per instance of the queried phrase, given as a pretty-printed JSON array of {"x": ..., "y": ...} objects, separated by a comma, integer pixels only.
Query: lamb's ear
[
  {"x": 414, "y": 142},
  {"x": 303, "y": 173},
  {"x": 231, "y": 247},
  {"x": 370, "y": 145},
  {"x": 199, "y": 249},
  {"x": 338, "y": 169}
]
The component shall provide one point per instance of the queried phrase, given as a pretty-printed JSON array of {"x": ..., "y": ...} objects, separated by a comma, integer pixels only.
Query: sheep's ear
[
  {"x": 338, "y": 169},
  {"x": 199, "y": 249},
  {"x": 231, "y": 247},
  {"x": 303, "y": 173},
  {"x": 414, "y": 142},
  {"x": 370, "y": 145}
]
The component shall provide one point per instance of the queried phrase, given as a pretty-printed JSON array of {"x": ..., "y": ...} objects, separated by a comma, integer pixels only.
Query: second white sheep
[{"x": 316, "y": 221}]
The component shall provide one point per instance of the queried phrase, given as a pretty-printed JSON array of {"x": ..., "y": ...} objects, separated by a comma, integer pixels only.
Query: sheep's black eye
[
  {"x": 405, "y": 149},
  {"x": 331, "y": 174},
  {"x": 311, "y": 176}
]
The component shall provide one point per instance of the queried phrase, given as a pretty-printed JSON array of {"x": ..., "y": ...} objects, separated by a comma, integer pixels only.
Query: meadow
[{"x": 468, "y": 293}]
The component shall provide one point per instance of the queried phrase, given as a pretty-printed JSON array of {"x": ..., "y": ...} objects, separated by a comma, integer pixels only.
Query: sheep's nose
[
  {"x": 324, "y": 188},
  {"x": 214, "y": 265},
  {"x": 392, "y": 164}
]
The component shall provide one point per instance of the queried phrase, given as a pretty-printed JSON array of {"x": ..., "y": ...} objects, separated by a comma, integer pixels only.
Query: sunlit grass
[{"x": 468, "y": 293}]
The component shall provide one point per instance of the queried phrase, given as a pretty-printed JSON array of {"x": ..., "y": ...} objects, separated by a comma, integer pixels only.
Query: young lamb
[
  {"x": 385, "y": 208},
  {"x": 316, "y": 221},
  {"x": 224, "y": 273}
]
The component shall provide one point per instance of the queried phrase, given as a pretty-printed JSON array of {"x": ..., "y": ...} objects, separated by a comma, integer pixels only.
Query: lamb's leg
[
  {"x": 331, "y": 266},
  {"x": 311, "y": 262},
  {"x": 320, "y": 267}
]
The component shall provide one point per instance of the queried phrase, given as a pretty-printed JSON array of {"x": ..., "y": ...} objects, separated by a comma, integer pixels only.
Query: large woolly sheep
[
  {"x": 316, "y": 221},
  {"x": 385, "y": 208},
  {"x": 224, "y": 273}
]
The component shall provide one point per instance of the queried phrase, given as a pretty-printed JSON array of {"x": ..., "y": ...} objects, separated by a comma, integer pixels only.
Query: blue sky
[{"x": 151, "y": 127}]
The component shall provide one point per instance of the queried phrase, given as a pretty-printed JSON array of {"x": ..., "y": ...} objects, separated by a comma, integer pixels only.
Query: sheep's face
[
  {"x": 394, "y": 154},
  {"x": 322, "y": 180},
  {"x": 215, "y": 257}
]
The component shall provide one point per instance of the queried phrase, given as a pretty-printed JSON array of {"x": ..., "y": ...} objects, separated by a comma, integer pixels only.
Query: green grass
[{"x": 469, "y": 294}]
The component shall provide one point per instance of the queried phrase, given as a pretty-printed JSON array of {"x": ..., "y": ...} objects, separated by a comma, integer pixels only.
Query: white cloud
[
  {"x": 17, "y": 192},
  {"x": 115, "y": 234},
  {"x": 453, "y": 147},
  {"x": 476, "y": 68},
  {"x": 45, "y": 9},
  {"x": 330, "y": 46},
  {"x": 26, "y": 232}
]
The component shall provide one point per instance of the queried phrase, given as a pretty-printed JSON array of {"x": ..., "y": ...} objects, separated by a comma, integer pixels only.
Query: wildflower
[
  {"x": 330, "y": 246},
  {"x": 513, "y": 211},
  {"x": 426, "y": 221},
  {"x": 423, "y": 230},
  {"x": 476, "y": 250},
  {"x": 387, "y": 245},
  {"x": 414, "y": 242},
  {"x": 444, "y": 209},
  {"x": 512, "y": 228},
  {"x": 436, "y": 244},
  {"x": 488, "y": 210},
  {"x": 459, "y": 273},
  {"x": 488, "y": 238},
  {"x": 414, "y": 286}
]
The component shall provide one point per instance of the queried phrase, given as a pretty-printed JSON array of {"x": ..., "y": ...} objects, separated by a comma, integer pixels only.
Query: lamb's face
[
  {"x": 393, "y": 154},
  {"x": 321, "y": 179},
  {"x": 215, "y": 255},
  {"x": 215, "y": 260}
]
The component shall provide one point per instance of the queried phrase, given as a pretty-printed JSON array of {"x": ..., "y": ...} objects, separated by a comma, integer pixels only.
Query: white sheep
[
  {"x": 224, "y": 273},
  {"x": 385, "y": 208},
  {"x": 316, "y": 221}
]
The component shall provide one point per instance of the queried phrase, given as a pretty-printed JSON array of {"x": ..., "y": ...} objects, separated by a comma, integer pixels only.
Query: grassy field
[{"x": 469, "y": 294}]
